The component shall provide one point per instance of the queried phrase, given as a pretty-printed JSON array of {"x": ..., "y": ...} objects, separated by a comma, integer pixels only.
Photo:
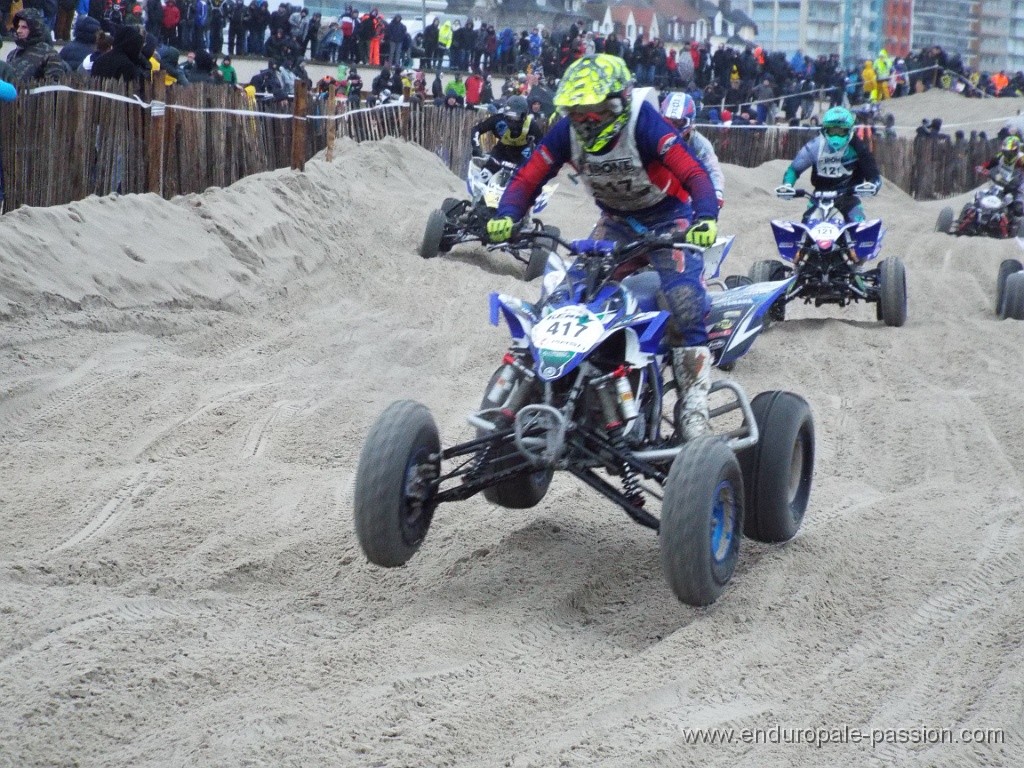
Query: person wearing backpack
[
  {"x": 218, "y": 9},
  {"x": 238, "y": 24},
  {"x": 201, "y": 24}
]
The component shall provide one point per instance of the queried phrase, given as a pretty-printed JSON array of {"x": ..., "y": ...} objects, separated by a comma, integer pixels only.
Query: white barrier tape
[
  {"x": 63, "y": 88},
  {"x": 241, "y": 112}
]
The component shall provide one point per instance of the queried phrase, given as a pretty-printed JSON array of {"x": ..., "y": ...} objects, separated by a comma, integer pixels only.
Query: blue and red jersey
[{"x": 669, "y": 164}]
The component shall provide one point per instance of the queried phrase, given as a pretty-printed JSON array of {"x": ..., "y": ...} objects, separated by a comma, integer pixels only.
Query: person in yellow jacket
[
  {"x": 883, "y": 69},
  {"x": 444, "y": 41},
  {"x": 869, "y": 81}
]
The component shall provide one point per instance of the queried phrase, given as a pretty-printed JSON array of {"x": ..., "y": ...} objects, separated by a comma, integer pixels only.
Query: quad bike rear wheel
[
  {"x": 1006, "y": 268},
  {"x": 392, "y": 506},
  {"x": 945, "y": 220},
  {"x": 1013, "y": 301},
  {"x": 768, "y": 271},
  {"x": 433, "y": 234},
  {"x": 737, "y": 281},
  {"x": 892, "y": 292},
  {"x": 701, "y": 518},
  {"x": 778, "y": 469}
]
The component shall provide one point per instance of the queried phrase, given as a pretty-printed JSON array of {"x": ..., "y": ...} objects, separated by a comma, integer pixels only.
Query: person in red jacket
[{"x": 474, "y": 85}]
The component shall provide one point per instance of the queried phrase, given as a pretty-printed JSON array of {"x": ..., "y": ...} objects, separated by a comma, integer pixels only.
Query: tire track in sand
[
  {"x": 110, "y": 513},
  {"x": 126, "y": 611}
]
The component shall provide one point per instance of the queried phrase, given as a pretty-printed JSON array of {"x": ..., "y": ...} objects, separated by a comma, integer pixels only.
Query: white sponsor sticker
[{"x": 570, "y": 329}]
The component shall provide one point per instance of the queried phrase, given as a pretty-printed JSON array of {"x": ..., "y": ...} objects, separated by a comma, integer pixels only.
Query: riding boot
[{"x": 692, "y": 369}]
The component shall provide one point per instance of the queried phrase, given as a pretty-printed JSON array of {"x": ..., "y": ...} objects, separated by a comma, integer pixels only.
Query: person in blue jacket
[{"x": 643, "y": 178}]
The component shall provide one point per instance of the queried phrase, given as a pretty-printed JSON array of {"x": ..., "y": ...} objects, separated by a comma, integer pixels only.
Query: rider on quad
[
  {"x": 643, "y": 179},
  {"x": 681, "y": 111},
  {"x": 1010, "y": 158},
  {"x": 839, "y": 161},
  {"x": 516, "y": 130}
]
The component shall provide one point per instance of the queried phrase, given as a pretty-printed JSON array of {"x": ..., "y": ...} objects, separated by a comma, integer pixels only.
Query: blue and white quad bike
[
  {"x": 586, "y": 388},
  {"x": 827, "y": 260},
  {"x": 464, "y": 221}
]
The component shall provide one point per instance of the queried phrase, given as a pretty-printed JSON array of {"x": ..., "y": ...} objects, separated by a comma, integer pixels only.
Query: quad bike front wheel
[
  {"x": 1006, "y": 268},
  {"x": 1013, "y": 298},
  {"x": 433, "y": 234},
  {"x": 945, "y": 220},
  {"x": 522, "y": 491},
  {"x": 701, "y": 518},
  {"x": 399, "y": 460},
  {"x": 892, "y": 292},
  {"x": 539, "y": 253},
  {"x": 452, "y": 205},
  {"x": 778, "y": 469}
]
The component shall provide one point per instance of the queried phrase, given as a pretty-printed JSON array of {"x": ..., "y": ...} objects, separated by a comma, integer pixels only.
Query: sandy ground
[{"x": 184, "y": 390}]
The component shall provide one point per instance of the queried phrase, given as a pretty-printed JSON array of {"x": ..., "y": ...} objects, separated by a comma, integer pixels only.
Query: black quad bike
[
  {"x": 464, "y": 221},
  {"x": 990, "y": 211}
]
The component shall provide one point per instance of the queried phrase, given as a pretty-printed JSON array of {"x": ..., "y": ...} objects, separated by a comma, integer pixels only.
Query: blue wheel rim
[
  {"x": 412, "y": 492},
  {"x": 723, "y": 522}
]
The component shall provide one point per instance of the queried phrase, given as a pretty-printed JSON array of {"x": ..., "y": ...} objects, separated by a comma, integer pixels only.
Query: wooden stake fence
[{"x": 61, "y": 146}]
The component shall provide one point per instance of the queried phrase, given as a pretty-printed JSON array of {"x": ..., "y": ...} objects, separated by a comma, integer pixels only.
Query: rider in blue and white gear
[
  {"x": 643, "y": 178},
  {"x": 681, "y": 111},
  {"x": 839, "y": 161}
]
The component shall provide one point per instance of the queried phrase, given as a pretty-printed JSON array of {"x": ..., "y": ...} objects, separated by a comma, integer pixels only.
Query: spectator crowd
[{"x": 194, "y": 40}]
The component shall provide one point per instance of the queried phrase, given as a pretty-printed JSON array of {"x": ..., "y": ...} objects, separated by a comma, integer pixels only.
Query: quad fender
[
  {"x": 519, "y": 315},
  {"x": 715, "y": 255},
  {"x": 788, "y": 235},
  {"x": 737, "y": 317},
  {"x": 545, "y": 195},
  {"x": 867, "y": 239}
]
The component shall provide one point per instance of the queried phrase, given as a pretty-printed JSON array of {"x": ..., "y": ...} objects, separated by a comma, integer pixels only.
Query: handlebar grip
[{"x": 592, "y": 246}]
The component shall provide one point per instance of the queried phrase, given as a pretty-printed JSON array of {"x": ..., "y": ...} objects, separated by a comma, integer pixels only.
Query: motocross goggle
[{"x": 594, "y": 113}]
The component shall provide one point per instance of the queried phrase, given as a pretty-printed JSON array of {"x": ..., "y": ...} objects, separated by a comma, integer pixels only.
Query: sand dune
[{"x": 184, "y": 391}]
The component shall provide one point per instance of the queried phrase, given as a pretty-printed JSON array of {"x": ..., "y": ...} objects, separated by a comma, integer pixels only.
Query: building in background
[
  {"x": 897, "y": 18},
  {"x": 858, "y": 29},
  {"x": 949, "y": 24},
  {"x": 863, "y": 33},
  {"x": 1000, "y": 36},
  {"x": 814, "y": 28}
]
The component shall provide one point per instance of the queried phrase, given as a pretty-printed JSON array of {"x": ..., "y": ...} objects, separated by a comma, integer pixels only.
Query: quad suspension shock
[{"x": 630, "y": 485}]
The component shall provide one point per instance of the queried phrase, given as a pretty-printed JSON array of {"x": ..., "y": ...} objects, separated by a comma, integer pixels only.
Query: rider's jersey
[
  {"x": 704, "y": 151},
  {"x": 648, "y": 170},
  {"x": 831, "y": 170},
  {"x": 617, "y": 178},
  {"x": 498, "y": 125},
  {"x": 1007, "y": 175}
]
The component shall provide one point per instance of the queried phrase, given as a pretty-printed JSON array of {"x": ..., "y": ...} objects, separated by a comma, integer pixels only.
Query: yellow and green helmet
[{"x": 604, "y": 84}]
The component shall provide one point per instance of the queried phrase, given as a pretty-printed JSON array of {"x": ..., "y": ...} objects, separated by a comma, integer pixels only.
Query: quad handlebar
[
  {"x": 612, "y": 249},
  {"x": 787, "y": 192}
]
